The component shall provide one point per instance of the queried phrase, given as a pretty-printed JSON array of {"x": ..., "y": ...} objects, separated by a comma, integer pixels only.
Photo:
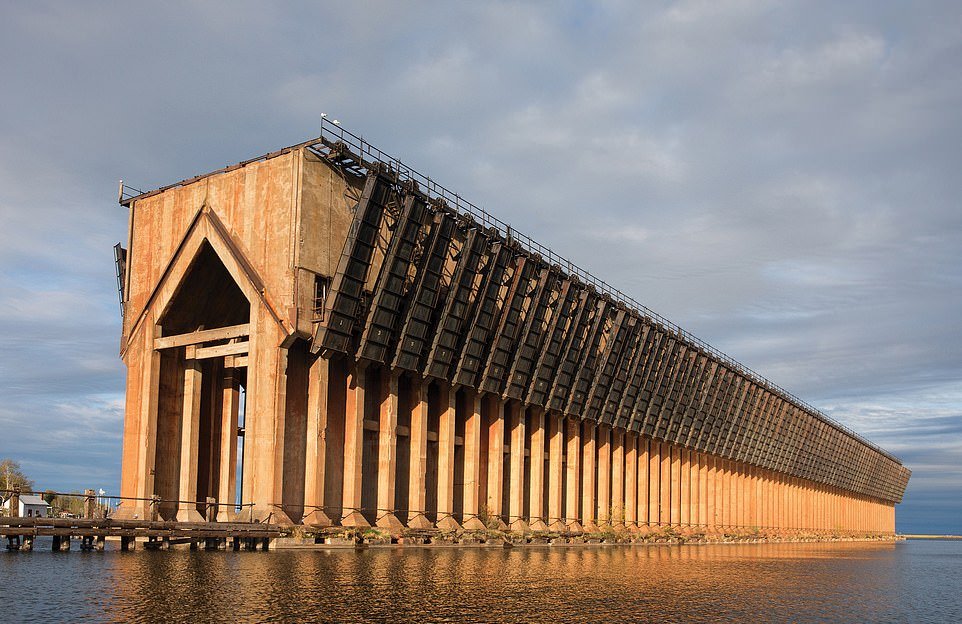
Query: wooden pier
[{"x": 92, "y": 534}]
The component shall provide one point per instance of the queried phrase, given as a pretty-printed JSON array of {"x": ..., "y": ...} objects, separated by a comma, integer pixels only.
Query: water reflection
[{"x": 721, "y": 583}]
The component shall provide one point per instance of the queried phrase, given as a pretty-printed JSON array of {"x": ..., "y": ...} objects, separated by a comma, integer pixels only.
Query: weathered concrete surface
[{"x": 380, "y": 360}]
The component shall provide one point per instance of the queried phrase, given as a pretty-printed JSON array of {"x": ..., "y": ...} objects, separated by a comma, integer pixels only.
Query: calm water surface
[{"x": 914, "y": 581}]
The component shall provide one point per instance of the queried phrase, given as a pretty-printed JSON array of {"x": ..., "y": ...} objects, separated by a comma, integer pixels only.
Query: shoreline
[
  {"x": 367, "y": 538},
  {"x": 921, "y": 536}
]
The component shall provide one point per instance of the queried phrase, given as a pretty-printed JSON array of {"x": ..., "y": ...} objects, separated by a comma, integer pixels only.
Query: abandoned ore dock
[{"x": 323, "y": 344}]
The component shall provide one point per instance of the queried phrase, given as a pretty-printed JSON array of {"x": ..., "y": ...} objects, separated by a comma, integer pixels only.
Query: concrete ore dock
[{"x": 324, "y": 340}]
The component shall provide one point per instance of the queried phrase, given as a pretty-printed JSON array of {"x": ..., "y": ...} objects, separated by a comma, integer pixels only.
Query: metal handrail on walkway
[{"x": 155, "y": 500}]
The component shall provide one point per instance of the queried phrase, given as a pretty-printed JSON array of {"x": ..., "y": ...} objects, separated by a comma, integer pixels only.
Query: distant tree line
[{"x": 12, "y": 475}]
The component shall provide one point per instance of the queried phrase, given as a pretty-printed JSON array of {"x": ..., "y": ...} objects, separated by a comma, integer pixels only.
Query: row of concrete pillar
[
  {"x": 420, "y": 454},
  {"x": 375, "y": 446}
]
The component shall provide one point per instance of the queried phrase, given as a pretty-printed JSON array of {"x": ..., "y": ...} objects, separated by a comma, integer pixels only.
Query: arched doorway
[{"x": 203, "y": 375}]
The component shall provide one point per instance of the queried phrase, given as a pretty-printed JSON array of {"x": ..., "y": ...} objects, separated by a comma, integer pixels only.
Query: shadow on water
[{"x": 906, "y": 582}]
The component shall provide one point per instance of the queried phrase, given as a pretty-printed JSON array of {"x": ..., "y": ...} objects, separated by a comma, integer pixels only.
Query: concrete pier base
[
  {"x": 448, "y": 523},
  {"x": 420, "y": 521},
  {"x": 474, "y": 524},
  {"x": 537, "y": 524},
  {"x": 390, "y": 522},
  {"x": 189, "y": 515},
  {"x": 355, "y": 519},
  {"x": 317, "y": 518}
]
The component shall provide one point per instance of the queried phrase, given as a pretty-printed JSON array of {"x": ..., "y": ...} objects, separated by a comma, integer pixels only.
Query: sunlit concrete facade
[{"x": 311, "y": 337}]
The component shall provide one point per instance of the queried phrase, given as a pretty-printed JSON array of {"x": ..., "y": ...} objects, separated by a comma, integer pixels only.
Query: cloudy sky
[{"x": 780, "y": 178}]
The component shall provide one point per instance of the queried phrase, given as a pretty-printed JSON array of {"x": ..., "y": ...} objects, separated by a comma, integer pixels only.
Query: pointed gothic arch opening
[{"x": 200, "y": 411}]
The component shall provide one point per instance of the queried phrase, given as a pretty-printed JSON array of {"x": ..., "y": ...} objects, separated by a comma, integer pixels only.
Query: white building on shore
[{"x": 31, "y": 506}]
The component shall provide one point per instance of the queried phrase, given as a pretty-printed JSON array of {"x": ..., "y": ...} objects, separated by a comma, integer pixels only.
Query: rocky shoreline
[{"x": 334, "y": 537}]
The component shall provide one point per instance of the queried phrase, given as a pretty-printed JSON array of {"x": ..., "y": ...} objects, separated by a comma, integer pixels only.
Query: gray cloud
[{"x": 778, "y": 178}]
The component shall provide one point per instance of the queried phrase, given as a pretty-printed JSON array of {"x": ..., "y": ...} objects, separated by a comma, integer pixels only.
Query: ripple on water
[{"x": 907, "y": 582}]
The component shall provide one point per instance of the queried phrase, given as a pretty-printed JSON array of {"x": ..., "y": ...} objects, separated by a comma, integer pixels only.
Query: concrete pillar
[
  {"x": 773, "y": 500},
  {"x": 702, "y": 490},
  {"x": 783, "y": 503},
  {"x": 643, "y": 476},
  {"x": 818, "y": 508},
  {"x": 762, "y": 480},
  {"x": 759, "y": 483},
  {"x": 654, "y": 483},
  {"x": 745, "y": 500},
  {"x": 741, "y": 503},
  {"x": 769, "y": 514},
  {"x": 418, "y": 462},
  {"x": 387, "y": 453},
  {"x": 446, "y": 520},
  {"x": 588, "y": 474},
  {"x": 725, "y": 501},
  {"x": 685, "y": 495},
  {"x": 796, "y": 507},
  {"x": 472, "y": 462},
  {"x": 731, "y": 496},
  {"x": 835, "y": 524},
  {"x": 796, "y": 504},
  {"x": 711, "y": 506},
  {"x": 821, "y": 508},
  {"x": 536, "y": 482},
  {"x": 354, "y": 448},
  {"x": 837, "y": 509},
  {"x": 725, "y": 504},
  {"x": 618, "y": 477},
  {"x": 630, "y": 445},
  {"x": 265, "y": 421},
  {"x": 767, "y": 496},
  {"x": 189, "y": 443},
  {"x": 734, "y": 495},
  {"x": 793, "y": 502},
  {"x": 675, "y": 517},
  {"x": 695, "y": 487},
  {"x": 555, "y": 471},
  {"x": 780, "y": 502},
  {"x": 572, "y": 474},
  {"x": 664, "y": 515},
  {"x": 603, "y": 502},
  {"x": 227, "y": 479},
  {"x": 145, "y": 442},
  {"x": 496, "y": 461},
  {"x": 515, "y": 417}
]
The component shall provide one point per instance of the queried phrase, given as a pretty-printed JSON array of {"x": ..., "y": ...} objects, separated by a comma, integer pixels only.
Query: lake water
[{"x": 913, "y": 581}]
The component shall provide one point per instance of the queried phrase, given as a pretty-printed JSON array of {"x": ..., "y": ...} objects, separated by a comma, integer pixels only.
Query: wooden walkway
[{"x": 93, "y": 533}]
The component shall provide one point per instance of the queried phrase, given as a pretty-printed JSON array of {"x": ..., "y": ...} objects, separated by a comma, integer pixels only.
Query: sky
[{"x": 779, "y": 178}]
